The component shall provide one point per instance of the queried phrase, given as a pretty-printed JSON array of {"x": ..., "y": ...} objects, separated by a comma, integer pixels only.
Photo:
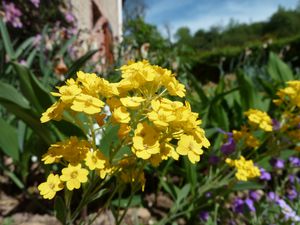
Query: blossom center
[{"x": 74, "y": 174}]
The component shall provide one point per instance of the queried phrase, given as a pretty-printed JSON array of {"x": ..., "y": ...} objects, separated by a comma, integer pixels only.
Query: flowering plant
[{"x": 151, "y": 128}]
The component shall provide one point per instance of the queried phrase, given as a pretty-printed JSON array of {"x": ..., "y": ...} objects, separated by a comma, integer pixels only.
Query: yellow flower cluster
[
  {"x": 289, "y": 95},
  {"x": 152, "y": 126},
  {"x": 259, "y": 119},
  {"x": 245, "y": 135},
  {"x": 245, "y": 168},
  {"x": 78, "y": 157}
]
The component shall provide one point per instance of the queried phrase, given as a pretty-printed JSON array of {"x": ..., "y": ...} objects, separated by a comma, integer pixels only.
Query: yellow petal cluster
[
  {"x": 289, "y": 95},
  {"x": 259, "y": 119},
  {"x": 150, "y": 127},
  {"x": 245, "y": 136},
  {"x": 74, "y": 176},
  {"x": 49, "y": 188},
  {"x": 245, "y": 168}
]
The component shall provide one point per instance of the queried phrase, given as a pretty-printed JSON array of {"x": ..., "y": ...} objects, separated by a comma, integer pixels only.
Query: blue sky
[{"x": 197, "y": 14}]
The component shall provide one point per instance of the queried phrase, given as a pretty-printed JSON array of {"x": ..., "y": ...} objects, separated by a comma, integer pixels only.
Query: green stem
[{"x": 127, "y": 207}]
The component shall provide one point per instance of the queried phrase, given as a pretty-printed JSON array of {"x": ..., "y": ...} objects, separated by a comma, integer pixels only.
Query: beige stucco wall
[{"x": 111, "y": 10}]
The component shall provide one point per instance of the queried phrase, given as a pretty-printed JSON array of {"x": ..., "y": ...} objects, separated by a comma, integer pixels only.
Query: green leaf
[
  {"x": 60, "y": 209},
  {"x": 247, "y": 91},
  {"x": 30, "y": 119},
  {"x": 136, "y": 201},
  {"x": 32, "y": 89},
  {"x": 9, "y": 93},
  {"x": 27, "y": 43},
  {"x": 98, "y": 195},
  {"x": 6, "y": 39},
  {"x": 201, "y": 93},
  {"x": 191, "y": 172},
  {"x": 68, "y": 129},
  {"x": 9, "y": 140},
  {"x": 278, "y": 70},
  {"x": 247, "y": 185},
  {"x": 183, "y": 193}
]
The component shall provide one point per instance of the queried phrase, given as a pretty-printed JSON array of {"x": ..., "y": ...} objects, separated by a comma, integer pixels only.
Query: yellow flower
[
  {"x": 49, "y": 188},
  {"x": 95, "y": 160},
  {"x": 188, "y": 146},
  {"x": 87, "y": 104},
  {"x": 74, "y": 176},
  {"x": 245, "y": 168},
  {"x": 123, "y": 130},
  {"x": 132, "y": 102},
  {"x": 67, "y": 93},
  {"x": 260, "y": 119},
  {"x": 159, "y": 116},
  {"x": 145, "y": 141},
  {"x": 247, "y": 137},
  {"x": 113, "y": 103},
  {"x": 107, "y": 89},
  {"x": 175, "y": 88},
  {"x": 89, "y": 83},
  {"x": 121, "y": 115},
  {"x": 54, "y": 154},
  {"x": 74, "y": 150},
  {"x": 54, "y": 112},
  {"x": 290, "y": 94}
]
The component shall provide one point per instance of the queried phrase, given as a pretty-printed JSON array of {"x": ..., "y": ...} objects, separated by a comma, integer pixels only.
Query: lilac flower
[
  {"x": 238, "y": 205},
  {"x": 228, "y": 147},
  {"x": 208, "y": 194},
  {"x": 293, "y": 178},
  {"x": 292, "y": 194},
  {"x": 272, "y": 196},
  {"x": 264, "y": 175},
  {"x": 23, "y": 62},
  {"x": 289, "y": 213},
  {"x": 250, "y": 204},
  {"x": 203, "y": 215},
  {"x": 12, "y": 15},
  {"x": 69, "y": 17},
  {"x": 276, "y": 124},
  {"x": 213, "y": 159},
  {"x": 294, "y": 161},
  {"x": 277, "y": 163},
  {"x": 36, "y": 3},
  {"x": 255, "y": 195}
]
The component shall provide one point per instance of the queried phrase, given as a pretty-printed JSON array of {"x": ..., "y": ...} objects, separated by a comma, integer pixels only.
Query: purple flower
[
  {"x": 293, "y": 178},
  {"x": 208, "y": 194},
  {"x": 23, "y": 62},
  {"x": 294, "y": 161},
  {"x": 255, "y": 195},
  {"x": 12, "y": 15},
  {"x": 36, "y": 3},
  {"x": 238, "y": 205},
  {"x": 276, "y": 124},
  {"x": 250, "y": 204},
  {"x": 203, "y": 215},
  {"x": 272, "y": 196},
  {"x": 228, "y": 147},
  {"x": 292, "y": 194},
  {"x": 213, "y": 159},
  {"x": 69, "y": 17},
  {"x": 277, "y": 163},
  {"x": 264, "y": 175},
  {"x": 289, "y": 213}
]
